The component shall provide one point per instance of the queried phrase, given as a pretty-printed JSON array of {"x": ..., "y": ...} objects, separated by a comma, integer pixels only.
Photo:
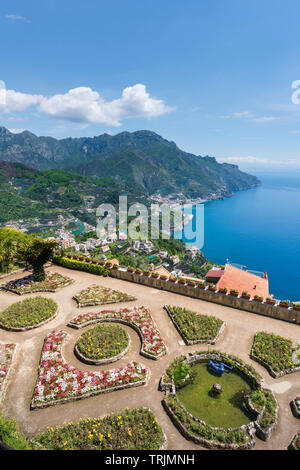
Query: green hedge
[{"x": 91, "y": 268}]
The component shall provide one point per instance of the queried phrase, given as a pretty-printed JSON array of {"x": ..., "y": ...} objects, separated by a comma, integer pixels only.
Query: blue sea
[{"x": 259, "y": 228}]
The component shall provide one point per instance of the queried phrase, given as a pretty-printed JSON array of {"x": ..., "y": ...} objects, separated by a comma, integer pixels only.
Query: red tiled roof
[
  {"x": 161, "y": 271},
  {"x": 234, "y": 278},
  {"x": 215, "y": 273}
]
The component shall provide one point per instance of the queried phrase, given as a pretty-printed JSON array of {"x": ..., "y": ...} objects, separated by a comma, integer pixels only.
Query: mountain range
[{"x": 142, "y": 159}]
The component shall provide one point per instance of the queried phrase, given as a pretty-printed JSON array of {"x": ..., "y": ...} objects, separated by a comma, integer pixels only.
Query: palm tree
[{"x": 36, "y": 252}]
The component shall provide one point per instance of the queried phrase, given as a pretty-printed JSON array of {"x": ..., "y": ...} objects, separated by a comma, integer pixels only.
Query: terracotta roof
[
  {"x": 162, "y": 271},
  {"x": 234, "y": 278},
  {"x": 113, "y": 261},
  {"x": 215, "y": 273}
]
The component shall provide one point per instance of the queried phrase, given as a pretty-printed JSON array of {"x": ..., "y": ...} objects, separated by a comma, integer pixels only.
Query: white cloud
[
  {"x": 84, "y": 105},
  {"x": 265, "y": 119},
  {"x": 15, "y": 101},
  {"x": 16, "y": 18},
  {"x": 249, "y": 116},
  {"x": 242, "y": 114}
]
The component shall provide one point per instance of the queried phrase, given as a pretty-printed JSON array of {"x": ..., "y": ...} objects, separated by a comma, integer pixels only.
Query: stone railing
[{"x": 259, "y": 308}]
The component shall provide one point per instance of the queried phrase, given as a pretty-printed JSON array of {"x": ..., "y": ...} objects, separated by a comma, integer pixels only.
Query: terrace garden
[
  {"x": 131, "y": 429},
  {"x": 138, "y": 318},
  {"x": 193, "y": 326},
  {"x": 278, "y": 354},
  {"x": 103, "y": 343},
  {"x": 99, "y": 295},
  {"x": 30, "y": 313},
  {"x": 29, "y": 284}
]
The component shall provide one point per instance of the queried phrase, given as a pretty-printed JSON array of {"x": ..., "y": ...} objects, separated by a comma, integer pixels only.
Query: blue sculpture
[{"x": 218, "y": 367}]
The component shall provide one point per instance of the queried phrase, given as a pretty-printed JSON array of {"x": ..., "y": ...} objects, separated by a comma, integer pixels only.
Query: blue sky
[{"x": 214, "y": 76}]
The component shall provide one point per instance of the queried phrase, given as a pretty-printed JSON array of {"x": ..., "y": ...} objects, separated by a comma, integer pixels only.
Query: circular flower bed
[
  {"x": 181, "y": 378},
  {"x": 102, "y": 344},
  {"x": 138, "y": 318},
  {"x": 29, "y": 313},
  {"x": 28, "y": 284}
]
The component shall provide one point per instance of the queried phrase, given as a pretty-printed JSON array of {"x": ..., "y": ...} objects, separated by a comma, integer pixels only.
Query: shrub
[
  {"x": 11, "y": 435},
  {"x": 234, "y": 292},
  {"x": 81, "y": 266},
  {"x": 258, "y": 298},
  {"x": 223, "y": 290}
]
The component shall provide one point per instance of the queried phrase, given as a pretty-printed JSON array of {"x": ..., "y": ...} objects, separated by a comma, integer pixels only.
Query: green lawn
[{"x": 225, "y": 410}]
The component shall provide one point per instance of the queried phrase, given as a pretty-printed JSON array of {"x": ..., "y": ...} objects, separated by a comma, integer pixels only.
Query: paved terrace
[{"x": 237, "y": 339}]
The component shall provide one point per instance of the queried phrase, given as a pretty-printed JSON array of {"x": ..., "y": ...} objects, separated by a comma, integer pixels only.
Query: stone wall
[{"x": 259, "y": 308}]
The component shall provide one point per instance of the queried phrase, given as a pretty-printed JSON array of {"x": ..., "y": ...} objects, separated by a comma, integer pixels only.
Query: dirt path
[{"x": 237, "y": 339}]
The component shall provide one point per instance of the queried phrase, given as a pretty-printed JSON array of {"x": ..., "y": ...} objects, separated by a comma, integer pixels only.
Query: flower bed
[
  {"x": 102, "y": 344},
  {"x": 277, "y": 354},
  {"x": 131, "y": 429},
  {"x": 138, "y": 318},
  {"x": 29, "y": 313},
  {"x": 296, "y": 406},
  {"x": 195, "y": 327},
  {"x": 203, "y": 434},
  {"x": 98, "y": 295},
  {"x": 295, "y": 444},
  {"x": 59, "y": 382},
  {"x": 28, "y": 285},
  {"x": 263, "y": 405},
  {"x": 6, "y": 358}
]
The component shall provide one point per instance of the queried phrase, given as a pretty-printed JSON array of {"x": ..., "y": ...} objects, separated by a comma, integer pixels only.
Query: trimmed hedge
[{"x": 89, "y": 267}]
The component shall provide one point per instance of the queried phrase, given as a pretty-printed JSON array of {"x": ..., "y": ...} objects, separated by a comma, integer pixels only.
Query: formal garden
[
  {"x": 27, "y": 314},
  {"x": 102, "y": 344},
  {"x": 99, "y": 295},
  {"x": 214, "y": 399},
  {"x": 195, "y": 327},
  {"x": 278, "y": 354}
]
